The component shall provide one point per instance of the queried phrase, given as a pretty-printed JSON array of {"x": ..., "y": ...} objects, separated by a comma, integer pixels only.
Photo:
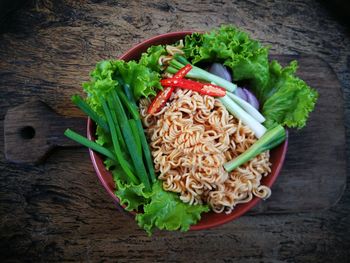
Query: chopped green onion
[
  {"x": 145, "y": 147},
  {"x": 129, "y": 105},
  {"x": 271, "y": 139},
  {"x": 78, "y": 101},
  {"x": 128, "y": 137},
  {"x": 135, "y": 133},
  {"x": 88, "y": 143},
  {"x": 240, "y": 114},
  {"x": 181, "y": 59},
  {"x": 171, "y": 70},
  {"x": 128, "y": 91},
  {"x": 247, "y": 107},
  {"x": 123, "y": 163},
  {"x": 117, "y": 128},
  {"x": 146, "y": 150},
  {"x": 197, "y": 73}
]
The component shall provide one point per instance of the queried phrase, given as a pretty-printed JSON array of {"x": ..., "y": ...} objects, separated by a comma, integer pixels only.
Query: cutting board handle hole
[{"x": 27, "y": 132}]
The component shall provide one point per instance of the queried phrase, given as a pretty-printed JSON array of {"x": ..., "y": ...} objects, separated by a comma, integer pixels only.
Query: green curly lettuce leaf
[
  {"x": 140, "y": 78},
  {"x": 289, "y": 99},
  {"x": 104, "y": 139},
  {"x": 132, "y": 196},
  {"x": 151, "y": 57},
  {"x": 247, "y": 58},
  {"x": 166, "y": 211},
  {"x": 285, "y": 99},
  {"x": 111, "y": 74},
  {"x": 161, "y": 209}
]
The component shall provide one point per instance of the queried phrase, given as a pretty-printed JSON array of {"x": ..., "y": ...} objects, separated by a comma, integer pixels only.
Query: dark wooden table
[{"x": 58, "y": 211}]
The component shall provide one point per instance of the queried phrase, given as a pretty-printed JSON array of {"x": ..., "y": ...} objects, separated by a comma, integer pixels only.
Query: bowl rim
[{"x": 100, "y": 169}]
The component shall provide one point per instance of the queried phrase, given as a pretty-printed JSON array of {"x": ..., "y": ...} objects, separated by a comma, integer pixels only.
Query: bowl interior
[{"x": 210, "y": 219}]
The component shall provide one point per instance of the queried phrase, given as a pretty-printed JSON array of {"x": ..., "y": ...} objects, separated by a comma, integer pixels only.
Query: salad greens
[
  {"x": 166, "y": 211},
  {"x": 112, "y": 94},
  {"x": 235, "y": 49},
  {"x": 289, "y": 99},
  {"x": 116, "y": 86},
  {"x": 286, "y": 99},
  {"x": 143, "y": 81}
]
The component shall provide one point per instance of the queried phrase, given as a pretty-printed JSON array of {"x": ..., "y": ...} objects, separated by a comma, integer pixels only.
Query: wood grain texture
[
  {"x": 304, "y": 184},
  {"x": 32, "y": 130},
  {"x": 57, "y": 211}
]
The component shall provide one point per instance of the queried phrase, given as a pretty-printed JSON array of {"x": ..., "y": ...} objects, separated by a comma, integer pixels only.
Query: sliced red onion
[
  {"x": 251, "y": 99},
  {"x": 240, "y": 93},
  {"x": 221, "y": 71}
]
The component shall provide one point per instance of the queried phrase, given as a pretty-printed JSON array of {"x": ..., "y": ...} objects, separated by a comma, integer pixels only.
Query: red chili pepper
[
  {"x": 183, "y": 72},
  {"x": 160, "y": 100},
  {"x": 163, "y": 96},
  {"x": 203, "y": 88}
]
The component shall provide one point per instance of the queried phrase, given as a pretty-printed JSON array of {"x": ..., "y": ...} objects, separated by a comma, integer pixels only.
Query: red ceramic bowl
[{"x": 210, "y": 219}]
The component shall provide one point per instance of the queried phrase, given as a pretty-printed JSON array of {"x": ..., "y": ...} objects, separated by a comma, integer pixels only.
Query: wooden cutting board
[{"x": 314, "y": 173}]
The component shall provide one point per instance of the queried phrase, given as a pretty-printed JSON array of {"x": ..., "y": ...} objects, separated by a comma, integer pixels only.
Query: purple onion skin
[
  {"x": 221, "y": 71},
  {"x": 251, "y": 99},
  {"x": 241, "y": 93}
]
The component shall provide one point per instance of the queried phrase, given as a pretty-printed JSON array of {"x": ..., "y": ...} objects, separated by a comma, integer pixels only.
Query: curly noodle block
[{"x": 191, "y": 138}]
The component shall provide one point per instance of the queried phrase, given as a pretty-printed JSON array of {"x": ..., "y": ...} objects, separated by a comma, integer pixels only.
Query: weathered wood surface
[
  {"x": 305, "y": 183},
  {"x": 58, "y": 211},
  {"x": 32, "y": 130}
]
